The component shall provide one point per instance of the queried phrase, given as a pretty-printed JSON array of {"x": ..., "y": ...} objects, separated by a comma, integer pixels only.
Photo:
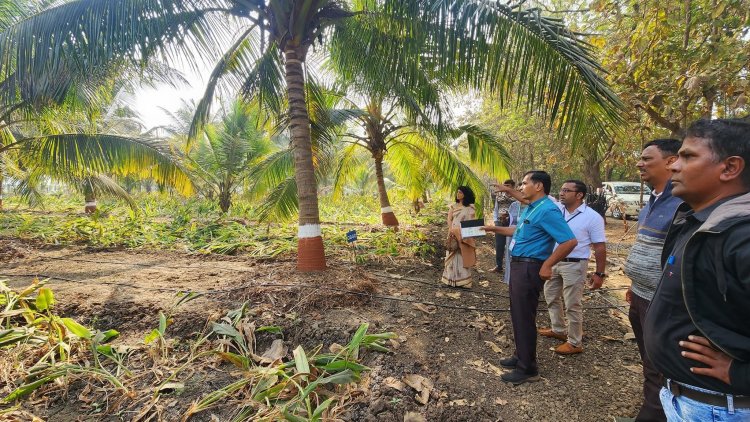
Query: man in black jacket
[{"x": 697, "y": 329}]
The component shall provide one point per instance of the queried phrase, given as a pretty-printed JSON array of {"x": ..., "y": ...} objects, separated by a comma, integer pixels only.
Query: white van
[{"x": 625, "y": 197}]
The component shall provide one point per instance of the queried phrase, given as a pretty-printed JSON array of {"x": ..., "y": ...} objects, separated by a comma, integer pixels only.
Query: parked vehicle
[{"x": 624, "y": 198}]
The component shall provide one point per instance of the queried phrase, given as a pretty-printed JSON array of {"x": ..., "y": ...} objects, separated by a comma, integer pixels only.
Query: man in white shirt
[{"x": 569, "y": 275}]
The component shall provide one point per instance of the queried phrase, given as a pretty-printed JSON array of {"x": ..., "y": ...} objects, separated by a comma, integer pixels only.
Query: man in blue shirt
[{"x": 531, "y": 249}]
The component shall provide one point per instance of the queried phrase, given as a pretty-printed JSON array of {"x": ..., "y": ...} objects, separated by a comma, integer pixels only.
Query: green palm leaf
[
  {"x": 350, "y": 159},
  {"x": 101, "y": 185},
  {"x": 444, "y": 166},
  {"x": 82, "y": 36},
  {"x": 515, "y": 52},
  {"x": 281, "y": 203},
  {"x": 67, "y": 154}
]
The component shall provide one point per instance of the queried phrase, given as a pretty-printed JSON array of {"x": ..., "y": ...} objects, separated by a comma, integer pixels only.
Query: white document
[{"x": 472, "y": 228}]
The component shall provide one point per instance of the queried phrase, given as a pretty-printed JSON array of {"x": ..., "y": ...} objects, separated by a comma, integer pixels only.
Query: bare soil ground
[{"x": 454, "y": 347}]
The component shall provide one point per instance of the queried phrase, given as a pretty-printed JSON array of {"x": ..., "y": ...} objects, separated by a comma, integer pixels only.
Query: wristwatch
[{"x": 602, "y": 275}]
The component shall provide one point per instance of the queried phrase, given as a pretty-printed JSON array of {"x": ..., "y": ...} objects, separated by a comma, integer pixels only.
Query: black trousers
[
  {"x": 499, "y": 248},
  {"x": 651, "y": 410},
  {"x": 525, "y": 287}
]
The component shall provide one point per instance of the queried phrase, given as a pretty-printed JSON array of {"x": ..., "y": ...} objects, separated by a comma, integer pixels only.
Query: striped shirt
[{"x": 643, "y": 265}]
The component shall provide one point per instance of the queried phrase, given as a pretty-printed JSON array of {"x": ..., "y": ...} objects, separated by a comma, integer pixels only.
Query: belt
[
  {"x": 717, "y": 399},
  {"x": 524, "y": 259},
  {"x": 574, "y": 259}
]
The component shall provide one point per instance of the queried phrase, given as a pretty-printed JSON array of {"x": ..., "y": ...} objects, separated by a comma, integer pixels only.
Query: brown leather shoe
[
  {"x": 568, "y": 349},
  {"x": 548, "y": 332}
]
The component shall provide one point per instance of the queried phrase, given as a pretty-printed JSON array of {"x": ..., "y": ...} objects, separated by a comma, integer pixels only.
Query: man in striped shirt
[{"x": 643, "y": 265}]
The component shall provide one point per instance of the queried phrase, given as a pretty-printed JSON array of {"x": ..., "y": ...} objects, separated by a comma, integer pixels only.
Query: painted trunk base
[
  {"x": 389, "y": 219},
  {"x": 310, "y": 254},
  {"x": 89, "y": 209}
]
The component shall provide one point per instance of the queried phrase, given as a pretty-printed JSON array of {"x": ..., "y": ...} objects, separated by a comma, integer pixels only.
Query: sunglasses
[{"x": 565, "y": 190}]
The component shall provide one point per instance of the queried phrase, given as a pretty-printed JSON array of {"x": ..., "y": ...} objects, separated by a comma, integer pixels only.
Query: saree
[{"x": 458, "y": 262}]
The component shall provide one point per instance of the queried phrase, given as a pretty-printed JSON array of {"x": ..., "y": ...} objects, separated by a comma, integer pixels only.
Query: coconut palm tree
[
  {"x": 400, "y": 126},
  {"x": 274, "y": 183},
  {"x": 224, "y": 157},
  {"x": 513, "y": 50},
  {"x": 87, "y": 141}
]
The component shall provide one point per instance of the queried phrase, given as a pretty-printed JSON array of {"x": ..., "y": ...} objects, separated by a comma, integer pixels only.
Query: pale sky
[{"x": 147, "y": 101}]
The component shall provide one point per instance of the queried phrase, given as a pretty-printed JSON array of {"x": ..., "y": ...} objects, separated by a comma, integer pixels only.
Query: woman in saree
[{"x": 460, "y": 254}]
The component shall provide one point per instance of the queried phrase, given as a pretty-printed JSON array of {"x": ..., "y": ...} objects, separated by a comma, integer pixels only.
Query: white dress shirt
[{"x": 587, "y": 226}]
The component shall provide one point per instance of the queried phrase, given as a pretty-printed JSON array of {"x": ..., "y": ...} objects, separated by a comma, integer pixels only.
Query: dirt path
[{"x": 456, "y": 349}]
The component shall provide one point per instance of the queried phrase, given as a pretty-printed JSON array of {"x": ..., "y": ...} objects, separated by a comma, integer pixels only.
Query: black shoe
[
  {"x": 517, "y": 377},
  {"x": 509, "y": 363}
]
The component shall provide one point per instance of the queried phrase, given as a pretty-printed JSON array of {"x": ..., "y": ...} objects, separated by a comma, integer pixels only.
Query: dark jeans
[
  {"x": 525, "y": 287},
  {"x": 499, "y": 247},
  {"x": 651, "y": 409}
]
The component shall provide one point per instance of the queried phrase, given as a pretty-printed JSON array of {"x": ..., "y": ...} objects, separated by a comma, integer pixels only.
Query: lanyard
[{"x": 572, "y": 215}]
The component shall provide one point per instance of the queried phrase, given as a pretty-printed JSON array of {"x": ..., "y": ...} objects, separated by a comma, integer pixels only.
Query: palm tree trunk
[
  {"x": 90, "y": 198},
  {"x": 1, "y": 189},
  {"x": 225, "y": 201},
  {"x": 386, "y": 212},
  {"x": 310, "y": 253}
]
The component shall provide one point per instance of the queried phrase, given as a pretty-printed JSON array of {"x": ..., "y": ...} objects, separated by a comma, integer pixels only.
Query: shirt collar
[
  {"x": 538, "y": 201},
  {"x": 576, "y": 211},
  {"x": 703, "y": 214}
]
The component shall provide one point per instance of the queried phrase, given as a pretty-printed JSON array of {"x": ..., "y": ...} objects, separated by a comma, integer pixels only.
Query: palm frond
[
  {"x": 281, "y": 202},
  {"x": 409, "y": 169},
  {"x": 444, "y": 166},
  {"x": 102, "y": 186},
  {"x": 350, "y": 159},
  {"x": 239, "y": 56},
  {"x": 265, "y": 80},
  {"x": 28, "y": 186},
  {"x": 65, "y": 154},
  {"x": 39, "y": 53},
  {"x": 485, "y": 150},
  {"x": 270, "y": 172},
  {"x": 513, "y": 51}
]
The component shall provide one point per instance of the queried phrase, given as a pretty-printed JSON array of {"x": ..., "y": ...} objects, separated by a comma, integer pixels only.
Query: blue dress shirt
[{"x": 540, "y": 226}]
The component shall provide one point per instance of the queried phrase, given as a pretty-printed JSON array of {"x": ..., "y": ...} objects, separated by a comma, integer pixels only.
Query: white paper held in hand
[{"x": 472, "y": 228}]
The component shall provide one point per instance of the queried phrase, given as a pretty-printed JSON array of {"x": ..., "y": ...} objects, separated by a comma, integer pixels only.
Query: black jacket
[{"x": 720, "y": 307}]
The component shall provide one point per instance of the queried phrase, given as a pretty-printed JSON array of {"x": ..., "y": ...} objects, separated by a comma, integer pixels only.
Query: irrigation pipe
[
  {"x": 613, "y": 305},
  {"x": 243, "y": 270},
  {"x": 208, "y": 293}
]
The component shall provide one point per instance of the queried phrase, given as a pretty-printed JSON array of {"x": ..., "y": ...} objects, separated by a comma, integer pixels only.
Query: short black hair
[
  {"x": 540, "y": 176},
  {"x": 469, "y": 197},
  {"x": 726, "y": 138},
  {"x": 510, "y": 182},
  {"x": 667, "y": 146},
  {"x": 580, "y": 186}
]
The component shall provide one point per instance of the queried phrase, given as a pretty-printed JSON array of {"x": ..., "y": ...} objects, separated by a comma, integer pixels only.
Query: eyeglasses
[{"x": 566, "y": 190}]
